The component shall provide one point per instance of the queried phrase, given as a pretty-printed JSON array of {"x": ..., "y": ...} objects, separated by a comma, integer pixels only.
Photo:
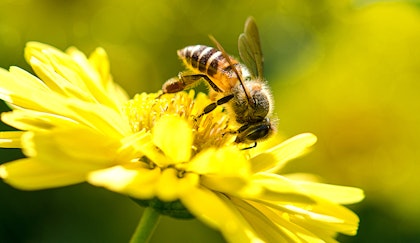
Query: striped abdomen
[{"x": 210, "y": 61}]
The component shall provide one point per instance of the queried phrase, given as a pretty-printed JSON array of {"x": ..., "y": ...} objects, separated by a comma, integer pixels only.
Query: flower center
[
  {"x": 147, "y": 112},
  {"x": 209, "y": 130}
]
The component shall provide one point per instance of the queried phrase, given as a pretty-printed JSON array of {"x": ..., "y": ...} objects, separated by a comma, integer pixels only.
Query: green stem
[{"x": 146, "y": 226}]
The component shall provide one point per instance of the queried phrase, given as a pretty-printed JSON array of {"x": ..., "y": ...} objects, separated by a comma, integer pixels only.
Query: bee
[{"x": 241, "y": 87}]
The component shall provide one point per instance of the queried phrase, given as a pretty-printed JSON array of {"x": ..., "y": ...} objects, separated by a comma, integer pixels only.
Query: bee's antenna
[{"x": 226, "y": 56}]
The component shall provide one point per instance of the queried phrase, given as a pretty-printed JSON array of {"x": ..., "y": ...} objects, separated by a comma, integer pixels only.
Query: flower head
[{"x": 77, "y": 125}]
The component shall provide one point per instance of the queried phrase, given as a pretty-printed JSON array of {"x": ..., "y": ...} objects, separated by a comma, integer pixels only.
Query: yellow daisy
[{"x": 77, "y": 125}]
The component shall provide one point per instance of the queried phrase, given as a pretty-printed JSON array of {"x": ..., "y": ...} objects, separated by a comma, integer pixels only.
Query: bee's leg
[
  {"x": 250, "y": 147},
  {"x": 208, "y": 80},
  {"x": 213, "y": 105},
  {"x": 173, "y": 85},
  {"x": 176, "y": 84},
  {"x": 242, "y": 136},
  {"x": 185, "y": 81},
  {"x": 238, "y": 138},
  {"x": 230, "y": 132}
]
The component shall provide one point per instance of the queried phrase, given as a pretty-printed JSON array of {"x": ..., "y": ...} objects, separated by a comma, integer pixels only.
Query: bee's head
[{"x": 255, "y": 108}]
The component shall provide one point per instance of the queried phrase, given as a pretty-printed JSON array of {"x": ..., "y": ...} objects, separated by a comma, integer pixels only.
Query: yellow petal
[
  {"x": 115, "y": 178},
  {"x": 99, "y": 61},
  {"x": 166, "y": 188},
  {"x": 141, "y": 144},
  {"x": 133, "y": 181},
  {"x": 23, "y": 90},
  {"x": 98, "y": 83},
  {"x": 316, "y": 214},
  {"x": 30, "y": 81},
  {"x": 275, "y": 183},
  {"x": 72, "y": 75},
  {"x": 173, "y": 136},
  {"x": 277, "y": 189},
  {"x": 224, "y": 169},
  {"x": 287, "y": 228},
  {"x": 26, "y": 92},
  {"x": 55, "y": 67},
  {"x": 225, "y": 161},
  {"x": 264, "y": 226},
  {"x": 333, "y": 193},
  {"x": 31, "y": 174},
  {"x": 11, "y": 139},
  {"x": 226, "y": 184},
  {"x": 98, "y": 116},
  {"x": 275, "y": 158},
  {"x": 73, "y": 149},
  {"x": 187, "y": 182},
  {"x": 29, "y": 120},
  {"x": 219, "y": 213},
  {"x": 172, "y": 185},
  {"x": 322, "y": 216},
  {"x": 38, "y": 49},
  {"x": 340, "y": 219}
]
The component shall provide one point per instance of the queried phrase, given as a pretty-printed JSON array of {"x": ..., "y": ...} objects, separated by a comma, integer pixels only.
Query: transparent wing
[
  {"x": 250, "y": 48},
  {"x": 226, "y": 56}
]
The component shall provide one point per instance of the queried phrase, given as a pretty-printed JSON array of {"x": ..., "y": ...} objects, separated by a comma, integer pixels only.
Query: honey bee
[{"x": 241, "y": 87}]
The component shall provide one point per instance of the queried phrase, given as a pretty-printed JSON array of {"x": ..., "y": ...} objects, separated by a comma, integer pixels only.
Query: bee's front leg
[{"x": 213, "y": 105}]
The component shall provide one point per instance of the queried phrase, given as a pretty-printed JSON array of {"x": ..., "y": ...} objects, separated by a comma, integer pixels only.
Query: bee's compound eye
[{"x": 258, "y": 132}]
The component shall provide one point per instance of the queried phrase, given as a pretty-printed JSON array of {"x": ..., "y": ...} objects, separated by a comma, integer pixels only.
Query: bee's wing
[{"x": 250, "y": 48}]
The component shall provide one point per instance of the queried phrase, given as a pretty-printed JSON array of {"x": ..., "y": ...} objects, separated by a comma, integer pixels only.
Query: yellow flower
[
  {"x": 72, "y": 120},
  {"x": 78, "y": 125}
]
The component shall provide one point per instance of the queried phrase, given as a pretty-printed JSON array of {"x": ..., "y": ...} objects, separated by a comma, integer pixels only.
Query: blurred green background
[{"x": 348, "y": 71}]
